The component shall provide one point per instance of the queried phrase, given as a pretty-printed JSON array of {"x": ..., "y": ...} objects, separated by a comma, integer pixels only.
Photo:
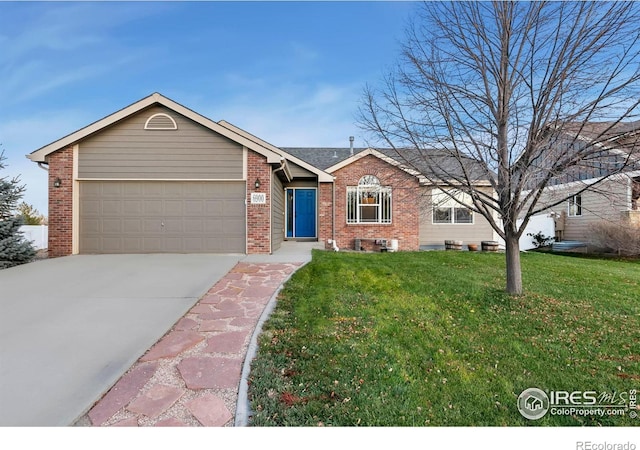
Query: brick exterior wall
[
  {"x": 405, "y": 194},
  {"x": 325, "y": 213},
  {"x": 258, "y": 216},
  {"x": 61, "y": 203}
]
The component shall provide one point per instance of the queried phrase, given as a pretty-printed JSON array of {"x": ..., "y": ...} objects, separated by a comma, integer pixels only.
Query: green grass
[{"x": 415, "y": 339}]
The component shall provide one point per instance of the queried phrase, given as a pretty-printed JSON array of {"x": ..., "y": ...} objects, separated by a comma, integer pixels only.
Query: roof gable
[
  {"x": 322, "y": 175},
  {"x": 156, "y": 98}
]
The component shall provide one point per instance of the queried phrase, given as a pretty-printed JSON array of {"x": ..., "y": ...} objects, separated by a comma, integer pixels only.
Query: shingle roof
[
  {"x": 321, "y": 157},
  {"x": 444, "y": 165}
]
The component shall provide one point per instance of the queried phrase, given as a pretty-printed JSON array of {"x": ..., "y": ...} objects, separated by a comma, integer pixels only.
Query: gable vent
[{"x": 160, "y": 121}]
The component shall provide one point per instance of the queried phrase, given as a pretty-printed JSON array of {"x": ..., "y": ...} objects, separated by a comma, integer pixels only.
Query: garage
[{"x": 162, "y": 217}]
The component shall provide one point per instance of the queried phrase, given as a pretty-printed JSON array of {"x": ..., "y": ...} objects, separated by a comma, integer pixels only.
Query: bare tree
[{"x": 507, "y": 93}]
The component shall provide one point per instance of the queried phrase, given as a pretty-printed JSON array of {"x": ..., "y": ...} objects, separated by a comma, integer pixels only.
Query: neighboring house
[
  {"x": 592, "y": 199},
  {"x": 157, "y": 177}
]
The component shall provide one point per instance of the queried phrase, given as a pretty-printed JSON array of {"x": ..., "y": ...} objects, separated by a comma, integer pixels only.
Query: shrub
[
  {"x": 618, "y": 237},
  {"x": 540, "y": 240}
]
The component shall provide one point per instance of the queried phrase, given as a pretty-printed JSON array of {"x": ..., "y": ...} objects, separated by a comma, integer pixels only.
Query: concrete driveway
[{"x": 70, "y": 327}]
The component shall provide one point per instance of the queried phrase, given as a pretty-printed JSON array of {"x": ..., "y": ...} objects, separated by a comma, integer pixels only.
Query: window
[
  {"x": 447, "y": 207},
  {"x": 369, "y": 202},
  {"x": 575, "y": 206}
]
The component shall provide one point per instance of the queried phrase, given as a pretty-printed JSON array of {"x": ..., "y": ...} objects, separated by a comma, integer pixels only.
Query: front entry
[{"x": 301, "y": 213}]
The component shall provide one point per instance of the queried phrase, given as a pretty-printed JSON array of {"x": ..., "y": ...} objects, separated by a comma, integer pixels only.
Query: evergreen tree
[{"x": 14, "y": 249}]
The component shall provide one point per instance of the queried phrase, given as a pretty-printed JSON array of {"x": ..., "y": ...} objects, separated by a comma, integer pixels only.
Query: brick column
[
  {"x": 258, "y": 216},
  {"x": 61, "y": 203},
  {"x": 325, "y": 213}
]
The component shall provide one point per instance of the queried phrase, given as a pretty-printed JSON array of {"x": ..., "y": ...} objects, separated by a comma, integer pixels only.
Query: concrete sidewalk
[
  {"x": 196, "y": 374},
  {"x": 191, "y": 376},
  {"x": 70, "y": 327}
]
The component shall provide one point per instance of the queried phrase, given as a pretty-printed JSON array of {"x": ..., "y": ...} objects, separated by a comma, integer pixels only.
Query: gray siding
[
  {"x": 277, "y": 213},
  {"x": 605, "y": 203},
  {"x": 300, "y": 172},
  {"x": 436, "y": 234},
  {"x": 127, "y": 150}
]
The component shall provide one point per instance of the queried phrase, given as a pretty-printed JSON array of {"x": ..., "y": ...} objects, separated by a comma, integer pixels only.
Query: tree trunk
[{"x": 514, "y": 271}]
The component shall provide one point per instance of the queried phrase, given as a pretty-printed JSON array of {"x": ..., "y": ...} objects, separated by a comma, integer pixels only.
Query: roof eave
[{"x": 156, "y": 98}]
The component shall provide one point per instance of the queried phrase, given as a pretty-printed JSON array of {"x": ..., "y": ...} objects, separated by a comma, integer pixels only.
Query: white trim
[
  {"x": 286, "y": 213},
  {"x": 161, "y": 179},
  {"x": 386, "y": 189},
  {"x": 270, "y": 211},
  {"x": 40, "y": 154},
  {"x": 579, "y": 205},
  {"x": 245, "y": 162},
  {"x": 75, "y": 204},
  {"x": 146, "y": 124}
]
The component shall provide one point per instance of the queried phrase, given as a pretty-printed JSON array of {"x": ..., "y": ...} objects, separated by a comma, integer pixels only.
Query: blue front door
[{"x": 301, "y": 213}]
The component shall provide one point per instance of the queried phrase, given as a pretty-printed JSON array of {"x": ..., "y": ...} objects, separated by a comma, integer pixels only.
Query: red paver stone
[
  {"x": 122, "y": 392},
  {"x": 209, "y": 410},
  {"x": 214, "y": 325},
  {"x": 210, "y": 373},
  {"x": 229, "y": 292},
  {"x": 228, "y": 305},
  {"x": 185, "y": 324},
  {"x": 156, "y": 400},
  {"x": 211, "y": 299},
  {"x": 199, "y": 309},
  {"x": 233, "y": 276},
  {"x": 130, "y": 422},
  {"x": 258, "y": 291},
  {"x": 231, "y": 342},
  {"x": 246, "y": 268},
  {"x": 172, "y": 345},
  {"x": 222, "y": 314},
  {"x": 170, "y": 422}
]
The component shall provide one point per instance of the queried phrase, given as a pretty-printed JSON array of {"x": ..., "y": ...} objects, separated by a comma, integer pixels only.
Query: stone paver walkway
[{"x": 191, "y": 376}]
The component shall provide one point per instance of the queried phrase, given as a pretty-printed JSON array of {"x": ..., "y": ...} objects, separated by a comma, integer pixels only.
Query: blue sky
[{"x": 290, "y": 72}]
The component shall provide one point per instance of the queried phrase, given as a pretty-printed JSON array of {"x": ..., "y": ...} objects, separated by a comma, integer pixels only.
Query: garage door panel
[
  {"x": 112, "y": 244},
  {"x": 152, "y": 190},
  {"x": 132, "y": 226},
  {"x": 152, "y": 208},
  {"x": 128, "y": 217},
  {"x": 112, "y": 226},
  {"x": 132, "y": 207},
  {"x": 90, "y": 225},
  {"x": 151, "y": 226},
  {"x": 111, "y": 207},
  {"x": 193, "y": 207},
  {"x": 152, "y": 245},
  {"x": 172, "y": 226},
  {"x": 173, "y": 207},
  {"x": 131, "y": 190}
]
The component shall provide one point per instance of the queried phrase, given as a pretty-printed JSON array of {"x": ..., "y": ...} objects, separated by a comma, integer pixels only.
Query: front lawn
[{"x": 415, "y": 339}]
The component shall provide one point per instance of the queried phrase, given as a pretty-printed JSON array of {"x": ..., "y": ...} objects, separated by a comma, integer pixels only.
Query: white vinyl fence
[
  {"x": 542, "y": 223},
  {"x": 37, "y": 234}
]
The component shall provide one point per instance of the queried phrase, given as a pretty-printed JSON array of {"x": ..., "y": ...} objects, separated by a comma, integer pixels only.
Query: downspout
[
  {"x": 43, "y": 168},
  {"x": 282, "y": 161},
  {"x": 333, "y": 216}
]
